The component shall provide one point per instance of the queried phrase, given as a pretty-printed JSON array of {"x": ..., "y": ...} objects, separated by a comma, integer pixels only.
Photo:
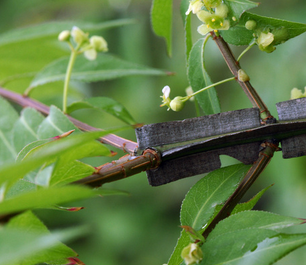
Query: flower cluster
[
  {"x": 213, "y": 13},
  {"x": 89, "y": 46},
  {"x": 267, "y": 38}
]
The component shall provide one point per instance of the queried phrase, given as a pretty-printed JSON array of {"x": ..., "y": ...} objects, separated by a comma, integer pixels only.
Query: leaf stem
[
  {"x": 210, "y": 86},
  {"x": 73, "y": 56},
  {"x": 246, "y": 50}
]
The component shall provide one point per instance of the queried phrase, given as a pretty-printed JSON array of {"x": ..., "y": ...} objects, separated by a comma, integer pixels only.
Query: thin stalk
[
  {"x": 234, "y": 67},
  {"x": 263, "y": 159},
  {"x": 210, "y": 86},
  {"x": 246, "y": 50},
  {"x": 73, "y": 56}
]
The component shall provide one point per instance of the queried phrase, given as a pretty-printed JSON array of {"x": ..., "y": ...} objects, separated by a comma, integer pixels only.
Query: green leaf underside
[
  {"x": 200, "y": 202},
  {"x": 237, "y": 8},
  {"x": 108, "y": 105},
  {"x": 239, "y": 35},
  {"x": 28, "y": 222},
  {"x": 46, "y": 198},
  {"x": 28, "y": 245},
  {"x": 12, "y": 172},
  {"x": 25, "y": 129},
  {"x": 105, "y": 67},
  {"x": 8, "y": 117},
  {"x": 199, "y": 78},
  {"x": 161, "y": 19},
  {"x": 54, "y": 28}
]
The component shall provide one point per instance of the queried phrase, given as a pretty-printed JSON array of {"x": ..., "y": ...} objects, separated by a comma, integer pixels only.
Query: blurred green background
[{"x": 143, "y": 228}]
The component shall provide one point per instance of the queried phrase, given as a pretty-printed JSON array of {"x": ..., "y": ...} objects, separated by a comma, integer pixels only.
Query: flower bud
[
  {"x": 177, "y": 104},
  {"x": 222, "y": 10},
  {"x": 78, "y": 35},
  {"x": 250, "y": 25},
  {"x": 242, "y": 76},
  {"x": 264, "y": 42},
  {"x": 192, "y": 254},
  {"x": 98, "y": 43},
  {"x": 64, "y": 35}
]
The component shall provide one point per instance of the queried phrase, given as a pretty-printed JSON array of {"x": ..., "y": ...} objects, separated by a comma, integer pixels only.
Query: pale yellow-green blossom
[
  {"x": 297, "y": 93},
  {"x": 192, "y": 254}
]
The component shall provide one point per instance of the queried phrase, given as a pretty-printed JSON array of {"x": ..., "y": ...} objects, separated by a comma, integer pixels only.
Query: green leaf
[
  {"x": 237, "y": 8},
  {"x": 18, "y": 246},
  {"x": 251, "y": 203},
  {"x": 55, "y": 124},
  {"x": 253, "y": 219},
  {"x": 108, "y": 105},
  {"x": 161, "y": 19},
  {"x": 67, "y": 172},
  {"x": 199, "y": 78},
  {"x": 45, "y": 198},
  {"x": 28, "y": 222},
  {"x": 54, "y": 28},
  {"x": 14, "y": 171},
  {"x": 187, "y": 26},
  {"x": 25, "y": 129},
  {"x": 182, "y": 242},
  {"x": 242, "y": 206},
  {"x": 105, "y": 67},
  {"x": 271, "y": 249},
  {"x": 201, "y": 200},
  {"x": 8, "y": 117},
  {"x": 283, "y": 30},
  {"x": 213, "y": 189},
  {"x": 230, "y": 247}
]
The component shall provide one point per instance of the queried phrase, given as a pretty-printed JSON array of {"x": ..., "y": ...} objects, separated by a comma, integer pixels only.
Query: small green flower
[
  {"x": 96, "y": 44},
  {"x": 79, "y": 36},
  {"x": 192, "y": 254},
  {"x": 265, "y": 42},
  {"x": 215, "y": 21}
]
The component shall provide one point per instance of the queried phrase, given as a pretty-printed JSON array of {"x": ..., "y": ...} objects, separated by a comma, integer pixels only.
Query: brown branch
[
  {"x": 263, "y": 159},
  {"x": 111, "y": 139},
  {"x": 234, "y": 67}
]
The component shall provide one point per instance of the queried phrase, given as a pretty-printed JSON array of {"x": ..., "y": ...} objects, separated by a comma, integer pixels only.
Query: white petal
[
  {"x": 166, "y": 91},
  {"x": 90, "y": 54}
]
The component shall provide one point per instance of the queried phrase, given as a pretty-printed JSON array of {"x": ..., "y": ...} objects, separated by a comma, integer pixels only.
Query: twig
[
  {"x": 263, "y": 159},
  {"x": 233, "y": 65},
  {"x": 111, "y": 139}
]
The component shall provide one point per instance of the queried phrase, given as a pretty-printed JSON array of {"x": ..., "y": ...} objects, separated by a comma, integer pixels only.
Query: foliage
[{"x": 40, "y": 161}]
